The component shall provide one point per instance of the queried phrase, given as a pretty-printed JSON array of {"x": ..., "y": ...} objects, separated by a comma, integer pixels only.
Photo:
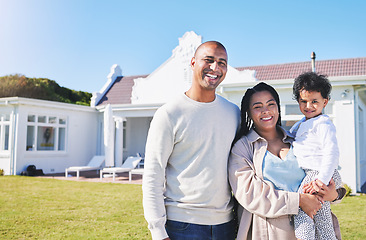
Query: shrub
[
  {"x": 348, "y": 189},
  {"x": 1, "y": 172}
]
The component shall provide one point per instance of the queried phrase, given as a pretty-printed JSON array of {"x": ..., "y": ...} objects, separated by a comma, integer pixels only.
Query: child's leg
[
  {"x": 304, "y": 226},
  {"x": 324, "y": 224},
  {"x": 337, "y": 179}
]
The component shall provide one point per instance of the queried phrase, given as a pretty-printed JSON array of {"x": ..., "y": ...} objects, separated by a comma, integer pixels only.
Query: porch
[{"x": 93, "y": 176}]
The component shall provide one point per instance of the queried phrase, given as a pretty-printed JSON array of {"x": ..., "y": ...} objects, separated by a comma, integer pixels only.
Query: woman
[{"x": 261, "y": 159}]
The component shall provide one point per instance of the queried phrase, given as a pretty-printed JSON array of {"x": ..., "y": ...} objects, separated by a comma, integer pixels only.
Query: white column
[{"x": 119, "y": 141}]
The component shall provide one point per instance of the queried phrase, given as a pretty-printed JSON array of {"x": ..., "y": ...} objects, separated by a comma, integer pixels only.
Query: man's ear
[
  {"x": 326, "y": 101},
  {"x": 193, "y": 62}
]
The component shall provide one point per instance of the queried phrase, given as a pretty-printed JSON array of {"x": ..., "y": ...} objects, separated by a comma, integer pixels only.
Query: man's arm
[{"x": 158, "y": 149}]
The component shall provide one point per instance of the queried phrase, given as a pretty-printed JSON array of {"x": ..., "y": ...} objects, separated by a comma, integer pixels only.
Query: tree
[{"x": 40, "y": 88}]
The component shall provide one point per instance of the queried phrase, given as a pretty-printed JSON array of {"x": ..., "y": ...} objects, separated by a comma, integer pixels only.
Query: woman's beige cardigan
[{"x": 267, "y": 211}]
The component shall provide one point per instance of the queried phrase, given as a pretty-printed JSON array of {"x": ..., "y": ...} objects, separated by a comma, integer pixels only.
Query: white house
[
  {"x": 134, "y": 100},
  {"x": 49, "y": 135}
]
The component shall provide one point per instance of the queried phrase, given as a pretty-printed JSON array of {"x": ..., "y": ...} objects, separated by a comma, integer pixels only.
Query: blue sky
[{"x": 75, "y": 42}]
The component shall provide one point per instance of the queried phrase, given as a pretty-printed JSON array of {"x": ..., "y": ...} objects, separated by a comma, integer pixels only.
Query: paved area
[{"x": 93, "y": 176}]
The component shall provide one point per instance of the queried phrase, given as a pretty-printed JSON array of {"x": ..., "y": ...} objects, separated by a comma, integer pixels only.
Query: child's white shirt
[{"x": 316, "y": 147}]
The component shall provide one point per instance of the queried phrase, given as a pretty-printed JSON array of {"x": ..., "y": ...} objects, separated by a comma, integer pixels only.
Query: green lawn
[
  {"x": 40, "y": 208},
  {"x": 351, "y": 213}
]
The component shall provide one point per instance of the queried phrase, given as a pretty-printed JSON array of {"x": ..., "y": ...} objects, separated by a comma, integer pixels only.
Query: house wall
[
  {"x": 80, "y": 138},
  {"x": 345, "y": 125},
  {"x": 361, "y": 138},
  {"x": 137, "y": 130}
]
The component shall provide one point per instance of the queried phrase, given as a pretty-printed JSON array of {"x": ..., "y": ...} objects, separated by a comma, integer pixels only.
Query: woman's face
[{"x": 263, "y": 110}]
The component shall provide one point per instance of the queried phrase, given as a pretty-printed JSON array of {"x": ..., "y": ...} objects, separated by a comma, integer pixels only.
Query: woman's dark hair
[
  {"x": 311, "y": 82},
  {"x": 246, "y": 121}
]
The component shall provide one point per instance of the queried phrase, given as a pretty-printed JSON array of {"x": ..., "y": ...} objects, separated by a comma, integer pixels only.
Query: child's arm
[{"x": 330, "y": 160}]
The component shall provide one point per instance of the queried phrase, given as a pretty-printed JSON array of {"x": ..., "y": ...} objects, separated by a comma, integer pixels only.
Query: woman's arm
[
  {"x": 259, "y": 196},
  {"x": 310, "y": 204},
  {"x": 329, "y": 193}
]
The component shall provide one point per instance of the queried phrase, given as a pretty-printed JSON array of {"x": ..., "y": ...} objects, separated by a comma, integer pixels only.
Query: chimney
[{"x": 313, "y": 61}]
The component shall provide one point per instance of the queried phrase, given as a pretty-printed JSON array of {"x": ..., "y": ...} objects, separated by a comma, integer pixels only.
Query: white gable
[
  {"x": 235, "y": 76},
  {"x": 174, "y": 76},
  {"x": 115, "y": 72}
]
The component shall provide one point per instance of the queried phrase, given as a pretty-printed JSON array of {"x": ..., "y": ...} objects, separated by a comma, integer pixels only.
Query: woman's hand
[
  {"x": 328, "y": 193},
  {"x": 310, "y": 204}
]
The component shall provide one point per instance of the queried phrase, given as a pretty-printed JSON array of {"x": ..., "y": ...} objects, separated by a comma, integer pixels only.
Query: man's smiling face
[{"x": 209, "y": 66}]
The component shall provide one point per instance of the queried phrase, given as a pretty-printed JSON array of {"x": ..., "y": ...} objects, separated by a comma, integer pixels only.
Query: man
[{"x": 186, "y": 194}]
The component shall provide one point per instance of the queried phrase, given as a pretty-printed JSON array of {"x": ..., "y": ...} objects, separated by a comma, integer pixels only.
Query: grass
[
  {"x": 351, "y": 213},
  {"x": 40, "y": 208}
]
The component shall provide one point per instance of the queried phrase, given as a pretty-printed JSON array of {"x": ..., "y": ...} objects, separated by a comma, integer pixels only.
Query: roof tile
[
  {"x": 120, "y": 92},
  {"x": 331, "y": 68}
]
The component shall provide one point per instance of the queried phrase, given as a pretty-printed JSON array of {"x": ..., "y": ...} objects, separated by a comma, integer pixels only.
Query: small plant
[
  {"x": 1, "y": 172},
  {"x": 348, "y": 189}
]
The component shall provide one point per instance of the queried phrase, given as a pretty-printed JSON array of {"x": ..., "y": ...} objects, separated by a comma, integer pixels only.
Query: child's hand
[
  {"x": 319, "y": 184},
  {"x": 311, "y": 187},
  {"x": 316, "y": 185},
  {"x": 307, "y": 188}
]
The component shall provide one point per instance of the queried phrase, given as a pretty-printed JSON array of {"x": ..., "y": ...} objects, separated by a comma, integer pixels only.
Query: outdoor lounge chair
[
  {"x": 127, "y": 166},
  {"x": 138, "y": 171},
  {"x": 94, "y": 164}
]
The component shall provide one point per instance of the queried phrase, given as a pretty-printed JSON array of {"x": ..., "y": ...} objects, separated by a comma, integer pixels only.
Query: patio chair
[
  {"x": 94, "y": 164},
  {"x": 130, "y": 163},
  {"x": 138, "y": 171}
]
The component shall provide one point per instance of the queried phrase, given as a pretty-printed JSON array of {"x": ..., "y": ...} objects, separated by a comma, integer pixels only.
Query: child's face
[{"x": 311, "y": 103}]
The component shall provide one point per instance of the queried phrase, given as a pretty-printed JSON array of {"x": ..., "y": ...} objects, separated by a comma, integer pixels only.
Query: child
[{"x": 316, "y": 149}]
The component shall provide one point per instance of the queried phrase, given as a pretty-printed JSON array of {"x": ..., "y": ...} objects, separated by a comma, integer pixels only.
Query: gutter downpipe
[{"x": 357, "y": 135}]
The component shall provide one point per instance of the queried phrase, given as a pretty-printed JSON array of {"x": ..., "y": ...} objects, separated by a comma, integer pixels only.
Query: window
[
  {"x": 4, "y": 132},
  {"x": 124, "y": 134},
  {"x": 46, "y": 133},
  {"x": 293, "y": 114},
  {"x": 293, "y": 110}
]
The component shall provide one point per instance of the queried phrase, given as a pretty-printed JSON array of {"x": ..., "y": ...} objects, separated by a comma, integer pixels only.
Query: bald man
[{"x": 186, "y": 194}]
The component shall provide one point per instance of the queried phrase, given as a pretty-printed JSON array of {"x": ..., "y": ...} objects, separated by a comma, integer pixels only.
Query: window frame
[
  {"x": 329, "y": 110},
  {"x": 53, "y": 121},
  {"x": 5, "y": 121}
]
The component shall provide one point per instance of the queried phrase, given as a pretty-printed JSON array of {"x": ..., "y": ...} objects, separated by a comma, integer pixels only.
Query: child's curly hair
[{"x": 312, "y": 82}]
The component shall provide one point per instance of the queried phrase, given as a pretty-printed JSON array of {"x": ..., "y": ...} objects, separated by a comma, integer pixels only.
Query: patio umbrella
[{"x": 109, "y": 126}]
